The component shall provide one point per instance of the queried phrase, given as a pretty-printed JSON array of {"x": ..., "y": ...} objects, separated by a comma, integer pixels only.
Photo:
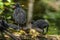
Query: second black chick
[
  {"x": 41, "y": 24},
  {"x": 19, "y": 15}
]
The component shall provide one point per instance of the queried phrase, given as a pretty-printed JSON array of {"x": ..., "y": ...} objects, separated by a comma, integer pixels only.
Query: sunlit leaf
[
  {"x": 1, "y": 11},
  {"x": 1, "y": 5},
  {"x": 0, "y": 0},
  {"x": 9, "y": 17},
  {"x": 9, "y": 0},
  {"x": 7, "y": 3}
]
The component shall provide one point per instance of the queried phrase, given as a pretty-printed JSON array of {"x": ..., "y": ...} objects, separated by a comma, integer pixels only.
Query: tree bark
[{"x": 30, "y": 13}]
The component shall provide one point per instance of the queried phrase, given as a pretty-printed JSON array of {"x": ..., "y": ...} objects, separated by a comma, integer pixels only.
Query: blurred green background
[{"x": 47, "y": 9}]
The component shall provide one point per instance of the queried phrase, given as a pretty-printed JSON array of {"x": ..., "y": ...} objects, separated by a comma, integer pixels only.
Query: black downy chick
[
  {"x": 3, "y": 25},
  {"x": 19, "y": 15},
  {"x": 41, "y": 24}
]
